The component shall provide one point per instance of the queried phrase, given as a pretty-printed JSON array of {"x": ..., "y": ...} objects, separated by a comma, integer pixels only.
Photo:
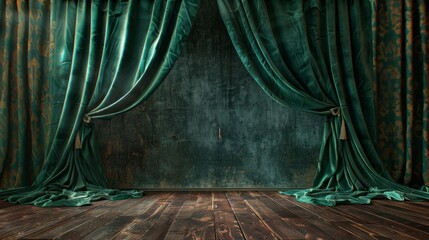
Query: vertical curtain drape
[
  {"x": 24, "y": 95},
  {"x": 402, "y": 89},
  {"x": 106, "y": 58},
  {"x": 316, "y": 56}
]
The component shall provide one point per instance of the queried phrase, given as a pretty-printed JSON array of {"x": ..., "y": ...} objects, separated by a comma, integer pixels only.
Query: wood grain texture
[
  {"x": 251, "y": 226},
  {"x": 30, "y": 219},
  {"x": 226, "y": 224},
  {"x": 132, "y": 207},
  {"x": 202, "y": 219},
  {"x": 181, "y": 225},
  {"x": 313, "y": 217},
  {"x": 166, "y": 219},
  {"x": 143, "y": 222},
  {"x": 216, "y": 215}
]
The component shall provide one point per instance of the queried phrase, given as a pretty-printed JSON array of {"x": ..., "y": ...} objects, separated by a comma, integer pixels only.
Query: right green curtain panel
[{"x": 316, "y": 56}]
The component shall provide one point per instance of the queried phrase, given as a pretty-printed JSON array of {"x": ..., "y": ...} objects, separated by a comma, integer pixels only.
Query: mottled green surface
[{"x": 172, "y": 139}]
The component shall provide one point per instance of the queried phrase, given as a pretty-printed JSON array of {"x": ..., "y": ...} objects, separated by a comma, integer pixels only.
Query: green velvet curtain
[
  {"x": 402, "y": 89},
  {"x": 316, "y": 56},
  {"x": 106, "y": 57},
  {"x": 24, "y": 90}
]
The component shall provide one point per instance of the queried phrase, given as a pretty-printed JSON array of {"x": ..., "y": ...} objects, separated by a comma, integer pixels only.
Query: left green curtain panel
[{"x": 106, "y": 57}]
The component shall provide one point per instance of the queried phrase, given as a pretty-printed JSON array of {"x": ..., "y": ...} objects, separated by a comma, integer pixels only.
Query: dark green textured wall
[{"x": 210, "y": 126}]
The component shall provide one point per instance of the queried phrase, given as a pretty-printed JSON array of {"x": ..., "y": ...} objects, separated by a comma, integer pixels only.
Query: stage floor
[{"x": 216, "y": 215}]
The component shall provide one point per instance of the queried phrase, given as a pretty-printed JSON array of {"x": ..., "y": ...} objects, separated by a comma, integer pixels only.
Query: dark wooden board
[
  {"x": 251, "y": 226},
  {"x": 202, "y": 219},
  {"x": 180, "y": 227},
  {"x": 226, "y": 224}
]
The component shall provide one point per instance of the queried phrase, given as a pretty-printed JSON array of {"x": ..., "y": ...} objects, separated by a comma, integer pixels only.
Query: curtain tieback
[
  {"x": 86, "y": 119},
  {"x": 77, "y": 140},
  {"x": 336, "y": 111}
]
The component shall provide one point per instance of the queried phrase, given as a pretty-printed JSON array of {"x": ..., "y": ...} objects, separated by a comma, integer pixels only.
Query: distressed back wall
[{"x": 210, "y": 126}]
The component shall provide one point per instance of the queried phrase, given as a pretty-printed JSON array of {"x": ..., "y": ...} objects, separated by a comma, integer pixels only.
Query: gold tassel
[
  {"x": 343, "y": 133},
  {"x": 337, "y": 112},
  {"x": 77, "y": 141}
]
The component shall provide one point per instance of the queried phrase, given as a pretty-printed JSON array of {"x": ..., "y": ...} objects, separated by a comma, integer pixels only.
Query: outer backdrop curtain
[
  {"x": 24, "y": 92},
  {"x": 402, "y": 58},
  {"x": 106, "y": 58},
  {"x": 316, "y": 56}
]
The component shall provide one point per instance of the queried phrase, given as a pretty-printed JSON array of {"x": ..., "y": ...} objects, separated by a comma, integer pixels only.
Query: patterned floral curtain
[
  {"x": 24, "y": 90},
  {"x": 402, "y": 88}
]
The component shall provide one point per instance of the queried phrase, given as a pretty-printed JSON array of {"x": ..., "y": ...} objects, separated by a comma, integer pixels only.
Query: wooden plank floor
[{"x": 216, "y": 215}]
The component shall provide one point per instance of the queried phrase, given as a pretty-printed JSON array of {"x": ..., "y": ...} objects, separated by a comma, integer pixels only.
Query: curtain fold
[
  {"x": 107, "y": 57},
  {"x": 316, "y": 56},
  {"x": 401, "y": 31}
]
